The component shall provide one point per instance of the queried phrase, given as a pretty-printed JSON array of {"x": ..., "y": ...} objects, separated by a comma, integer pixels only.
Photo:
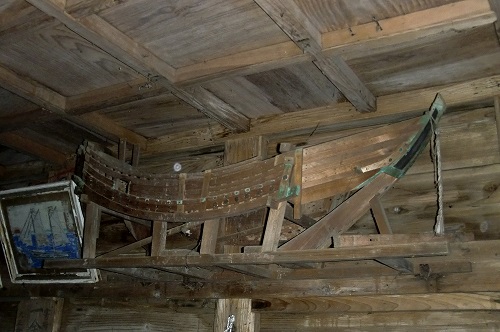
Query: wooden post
[
  {"x": 244, "y": 319},
  {"x": 39, "y": 314},
  {"x": 159, "y": 238},
  {"x": 122, "y": 150},
  {"x": 273, "y": 227},
  {"x": 209, "y": 236},
  {"x": 91, "y": 229}
]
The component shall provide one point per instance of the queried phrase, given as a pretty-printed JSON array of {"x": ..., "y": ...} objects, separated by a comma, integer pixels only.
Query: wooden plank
[
  {"x": 382, "y": 321},
  {"x": 297, "y": 180},
  {"x": 271, "y": 257},
  {"x": 303, "y": 221},
  {"x": 103, "y": 124},
  {"x": 124, "y": 48},
  {"x": 136, "y": 152},
  {"x": 380, "y": 303},
  {"x": 56, "y": 103},
  {"x": 379, "y": 216},
  {"x": 32, "y": 91},
  {"x": 209, "y": 236},
  {"x": 241, "y": 310},
  {"x": 303, "y": 32},
  {"x": 390, "y": 108},
  {"x": 159, "y": 238},
  {"x": 91, "y": 230},
  {"x": 215, "y": 108},
  {"x": 23, "y": 144},
  {"x": 113, "y": 95},
  {"x": 39, "y": 314},
  {"x": 273, "y": 227},
  {"x": 458, "y": 15},
  {"x": 341, "y": 219},
  {"x": 122, "y": 150},
  {"x": 127, "y": 248}
]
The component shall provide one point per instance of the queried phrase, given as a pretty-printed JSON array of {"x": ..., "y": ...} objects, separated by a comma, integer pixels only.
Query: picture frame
[{"x": 38, "y": 223}]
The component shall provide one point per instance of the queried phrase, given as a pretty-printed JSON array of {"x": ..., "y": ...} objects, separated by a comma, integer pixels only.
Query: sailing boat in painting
[{"x": 45, "y": 233}]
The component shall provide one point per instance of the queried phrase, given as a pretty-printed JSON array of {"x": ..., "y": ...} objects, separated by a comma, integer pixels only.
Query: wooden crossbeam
[
  {"x": 125, "y": 49},
  {"x": 302, "y": 31},
  {"x": 341, "y": 219},
  {"x": 273, "y": 257},
  {"x": 18, "y": 142},
  {"x": 390, "y": 108},
  {"x": 384, "y": 227}
]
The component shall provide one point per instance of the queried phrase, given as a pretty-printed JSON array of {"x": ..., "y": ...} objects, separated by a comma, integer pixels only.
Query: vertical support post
[
  {"x": 297, "y": 181},
  {"x": 136, "y": 151},
  {"x": 273, "y": 227},
  {"x": 122, "y": 149},
  {"x": 159, "y": 238},
  {"x": 39, "y": 314},
  {"x": 91, "y": 229},
  {"x": 380, "y": 216},
  {"x": 209, "y": 236},
  {"x": 244, "y": 319}
]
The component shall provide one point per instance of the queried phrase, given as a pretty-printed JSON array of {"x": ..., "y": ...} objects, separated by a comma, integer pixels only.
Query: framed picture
[{"x": 38, "y": 223}]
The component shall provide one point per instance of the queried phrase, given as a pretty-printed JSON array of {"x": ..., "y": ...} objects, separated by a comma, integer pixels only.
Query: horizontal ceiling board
[
  {"x": 452, "y": 57},
  {"x": 61, "y": 60},
  {"x": 157, "y": 116},
  {"x": 243, "y": 95},
  {"x": 11, "y": 104},
  {"x": 187, "y": 32},
  {"x": 296, "y": 87},
  {"x": 333, "y": 15}
]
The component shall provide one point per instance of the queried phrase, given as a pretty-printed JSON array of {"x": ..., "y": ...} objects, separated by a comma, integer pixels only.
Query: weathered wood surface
[{"x": 39, "y": 314}]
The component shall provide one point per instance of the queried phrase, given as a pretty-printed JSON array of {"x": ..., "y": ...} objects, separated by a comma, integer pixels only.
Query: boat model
[{"x": 367, "y": 163}]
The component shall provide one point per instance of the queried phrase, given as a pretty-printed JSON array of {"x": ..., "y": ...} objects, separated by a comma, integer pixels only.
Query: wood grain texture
[
  {"x": 57, "y": 45},
  {"x": 199, "y": 31},
  {"x": 395, "y": 107}
]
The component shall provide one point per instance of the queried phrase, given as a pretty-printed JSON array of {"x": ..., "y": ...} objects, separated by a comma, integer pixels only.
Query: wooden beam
[
  {"x": 390, "y": 108},
  {"x": 384, "y": 227},
  {"x": 39, "y": 314},
  {"x": 17, "y": 120},
  {"x": 237, "y": 315},
  {"x": 20, "y": 143},
  {"x": 384, "y": 33},
  {"x": 272, "y": 257},
  {"x": 297, "y": 26},
  {"x": 91, "y": 230},
  {"x": 159, "y": 238},
  {"x": 380, "y": 303},
  {"x": 215, "y": 108},
  {"x": 118, "y": 94},
  {"x": 127, "y": 248},
  {"x": 125, "y": 49},
  {"x": 102, "y": 124},
  {"x": 341, "y": 219},
  {"x": 273, "y": 227},
  {"x": 56, "y": 104},
  {"x": 209, "y": 236},
  {"x": 32, "y": 91}
]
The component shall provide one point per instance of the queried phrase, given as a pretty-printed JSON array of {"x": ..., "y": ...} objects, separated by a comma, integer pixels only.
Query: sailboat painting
[
  {"x": 43, "y": 230},
  {"x": 39, "y": 223}
]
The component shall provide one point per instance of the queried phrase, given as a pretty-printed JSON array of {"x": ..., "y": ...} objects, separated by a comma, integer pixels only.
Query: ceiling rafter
[
  {"x": 298, "y": 27},
  {"x": 19, "y": 142},
  {"x": 122, "y": 47},
  {"x": 391, "y": 108},
  {"x": 55, "y": 104}
]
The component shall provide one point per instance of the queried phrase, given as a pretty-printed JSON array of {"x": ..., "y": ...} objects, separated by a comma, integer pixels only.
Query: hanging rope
[
  {"x": 438, "y": 179},
  {"x": 229, "y": 325}
]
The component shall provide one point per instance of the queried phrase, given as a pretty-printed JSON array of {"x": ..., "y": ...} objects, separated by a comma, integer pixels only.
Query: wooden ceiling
[{"x": 186, "y": 76}]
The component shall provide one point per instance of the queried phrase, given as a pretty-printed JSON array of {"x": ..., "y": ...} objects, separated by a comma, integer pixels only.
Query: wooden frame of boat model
[{"x": 368, "y": 163}]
